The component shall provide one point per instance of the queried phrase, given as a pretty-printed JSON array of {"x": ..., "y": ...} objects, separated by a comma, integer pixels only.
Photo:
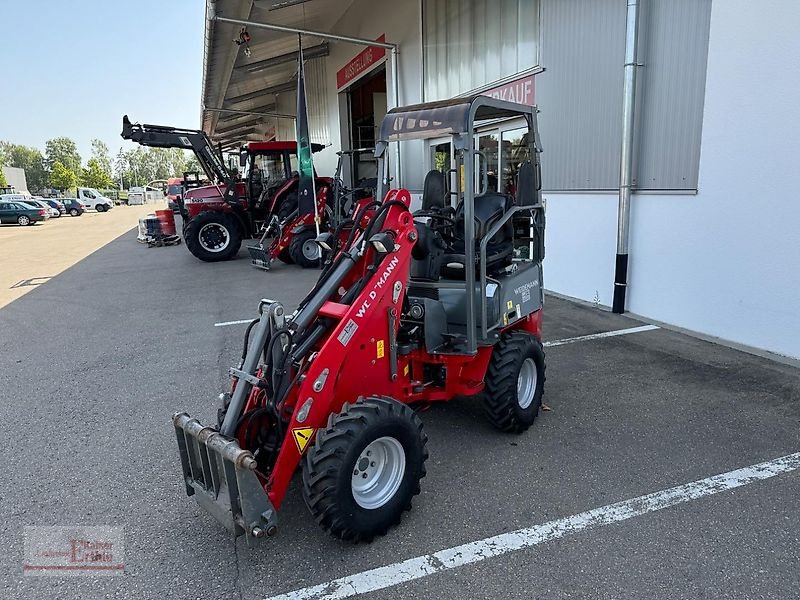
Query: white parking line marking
[
  {"x": 473, "y": 552},
  {"x": 596, "y": 336},
  {"x": 226, "y": 323}
]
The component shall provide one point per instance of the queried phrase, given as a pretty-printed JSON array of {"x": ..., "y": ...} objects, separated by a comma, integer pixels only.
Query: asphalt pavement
[{"x": 96, "y": 360}]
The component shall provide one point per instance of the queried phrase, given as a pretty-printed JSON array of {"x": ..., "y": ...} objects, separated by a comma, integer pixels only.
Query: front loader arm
[
  {"x": 162, "y": 136},
  {"x": 355, "y": 356}
]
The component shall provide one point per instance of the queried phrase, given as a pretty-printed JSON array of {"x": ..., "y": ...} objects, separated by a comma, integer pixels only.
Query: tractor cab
[
  {"x": 269, "y": 172},
  {"x": 471, "y": 237}
]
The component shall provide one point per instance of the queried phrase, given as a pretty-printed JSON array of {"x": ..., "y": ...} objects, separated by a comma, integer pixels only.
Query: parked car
[
  {"x": 59, "y": 206},
  {"x": 36, "y": 206},
  {"x": 51, "y": 210},
  {"x": 20, "y": 213},
  {"x": 73, "y": 206}
]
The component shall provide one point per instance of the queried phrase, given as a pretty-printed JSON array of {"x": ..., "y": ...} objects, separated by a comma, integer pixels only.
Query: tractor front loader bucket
[
  {"x": 258, "y": 257},
  {"x": 221, "y": 476},
  {"x": 258, "y": 253}
]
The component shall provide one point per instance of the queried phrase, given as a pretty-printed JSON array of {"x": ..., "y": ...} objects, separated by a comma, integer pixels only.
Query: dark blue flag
[{"x": 306, "y": 194}]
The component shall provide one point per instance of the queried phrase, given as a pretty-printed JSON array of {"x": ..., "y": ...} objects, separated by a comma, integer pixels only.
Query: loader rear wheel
[
  {"x": 364, "y": 468},
  {"x": 304, "y": 250},
  {"x": 285, "y": 256},
  {"x": 287, "y": 206},
  {"x": 515, "y": 382}
]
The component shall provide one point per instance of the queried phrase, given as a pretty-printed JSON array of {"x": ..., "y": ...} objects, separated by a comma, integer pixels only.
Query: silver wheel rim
[
  {"x": 310, "y": 250},
  {"x": 378, "y": 473},
  {"x": 526, "y": 383},
  {"x": 213, "y": 237},
  {"x": 23, "y": 220}
]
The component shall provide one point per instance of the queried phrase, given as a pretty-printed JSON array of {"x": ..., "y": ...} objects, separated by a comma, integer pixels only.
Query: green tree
[
  {"x": 192, "y": 164},
  {"x": 30, "y": 159},
  {"x": 3, "y": 182},
  {"x": 95, "y": 176},
  {"x": 63, "y": 150},
  {"x": 122, "y": 169},
  {"x": 101, "y": 154},
  {"x": 61, "y": 177}
]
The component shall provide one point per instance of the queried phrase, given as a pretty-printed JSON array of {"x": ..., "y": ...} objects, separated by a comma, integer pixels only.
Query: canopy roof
[
  {"x": 251, "y": 84},
  {"x": 446, "y": 117}
]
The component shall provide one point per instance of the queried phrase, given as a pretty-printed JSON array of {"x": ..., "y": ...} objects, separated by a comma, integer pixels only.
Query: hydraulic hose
[{"x": 247, "y": 336}]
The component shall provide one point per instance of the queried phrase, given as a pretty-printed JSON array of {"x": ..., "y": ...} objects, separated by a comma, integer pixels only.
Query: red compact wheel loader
[
  {"x": 217, "y": 217},
  {"x": 293, "y": 237},
  {"x": 409, "y": 309}
]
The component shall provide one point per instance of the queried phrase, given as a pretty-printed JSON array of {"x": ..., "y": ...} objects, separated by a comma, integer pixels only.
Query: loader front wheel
[
  {"x": 304, "y": 250},
  {"x": 213, "y": 236},
  {"x": 515, "y": 382},
  {"x": 364, "y": 468}
]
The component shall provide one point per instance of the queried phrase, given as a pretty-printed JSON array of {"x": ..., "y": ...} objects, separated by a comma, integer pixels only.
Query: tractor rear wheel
[
  {"x": 213, "y": 236},
  {"x": 515, "y": 382},
  {"x": 304, "y": 250},
  {"x": 364, "y": 468}
]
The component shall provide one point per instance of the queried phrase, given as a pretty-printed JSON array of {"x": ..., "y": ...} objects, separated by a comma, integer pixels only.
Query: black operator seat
[
  {"x": 526, "y": 184},
  {"x": 433, "y": 191},
  {"x": 489, "y": 210},
  {"x": 430, "y": 246}
]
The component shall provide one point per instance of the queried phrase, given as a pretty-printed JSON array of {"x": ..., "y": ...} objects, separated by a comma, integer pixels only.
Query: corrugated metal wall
[
  {"x": 672, "y": 83},
  {"x": 580, "y": 92},
  {"x": 470, "y": 43},
  {"x": 318, "y": 98}
]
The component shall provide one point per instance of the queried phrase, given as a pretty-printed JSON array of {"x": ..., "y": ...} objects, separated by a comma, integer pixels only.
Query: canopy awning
[
  {"x": 446, "y": 117},
  {"x": 248, "y": 86}
]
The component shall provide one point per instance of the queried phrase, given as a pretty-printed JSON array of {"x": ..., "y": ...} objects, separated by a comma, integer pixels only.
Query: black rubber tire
[
  {"x": 101, "y": 208},
  {"x": 296, "y": 249},
  {"x": 500, "y": 396},
  {"x": 287, "y": 206},
  {"x": 24, "y": 220},
  {"x": 285, "y": 256},
  {"x": 192, "y": 230},
  {"x": 74, "y": 212},
  {"x": 329, "y": 464}
]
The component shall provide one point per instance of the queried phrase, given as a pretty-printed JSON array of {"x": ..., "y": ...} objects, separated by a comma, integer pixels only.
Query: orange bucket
[{"x": 167, "y": 220}]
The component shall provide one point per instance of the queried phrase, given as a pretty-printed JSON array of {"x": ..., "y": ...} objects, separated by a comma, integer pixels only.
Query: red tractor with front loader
[
  {"x": 410, "y": 309},
  {"x": 217, "y": 217}
]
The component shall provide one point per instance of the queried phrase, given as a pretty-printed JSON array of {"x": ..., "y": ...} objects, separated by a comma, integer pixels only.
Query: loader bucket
[
  {"x": 221, "y": 476},
  {"x": 258, "y": 257}
]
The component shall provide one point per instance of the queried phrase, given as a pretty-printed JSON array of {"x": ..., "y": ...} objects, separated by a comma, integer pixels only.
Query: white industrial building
[
  {"x": 15, "y": 177},
  {"x": 713, "y": 237}
]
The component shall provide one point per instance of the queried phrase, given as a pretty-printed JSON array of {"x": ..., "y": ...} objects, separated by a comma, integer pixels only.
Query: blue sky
[{"x": 74, "y": 67}]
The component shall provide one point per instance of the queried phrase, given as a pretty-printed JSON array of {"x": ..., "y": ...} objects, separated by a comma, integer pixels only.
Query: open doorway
[{"x": 367, "y": 105}]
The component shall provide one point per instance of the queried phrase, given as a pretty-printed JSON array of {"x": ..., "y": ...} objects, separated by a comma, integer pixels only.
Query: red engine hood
[{"x": 212, "y": 191}]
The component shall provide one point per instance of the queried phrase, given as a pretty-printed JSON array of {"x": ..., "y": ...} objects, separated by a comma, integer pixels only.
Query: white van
[{"x": 93, "y": 199}]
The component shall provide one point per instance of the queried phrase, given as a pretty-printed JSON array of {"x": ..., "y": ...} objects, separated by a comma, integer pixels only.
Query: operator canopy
[{"x": 446, "y": 117}]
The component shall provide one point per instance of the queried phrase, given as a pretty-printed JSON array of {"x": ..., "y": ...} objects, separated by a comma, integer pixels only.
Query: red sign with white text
[
  {"x": 519, "y": 91},
  {"x": 362, "y": 62}
]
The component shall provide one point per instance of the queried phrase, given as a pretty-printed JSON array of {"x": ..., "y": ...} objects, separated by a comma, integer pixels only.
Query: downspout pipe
[{"x": 626, "y": 157}]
